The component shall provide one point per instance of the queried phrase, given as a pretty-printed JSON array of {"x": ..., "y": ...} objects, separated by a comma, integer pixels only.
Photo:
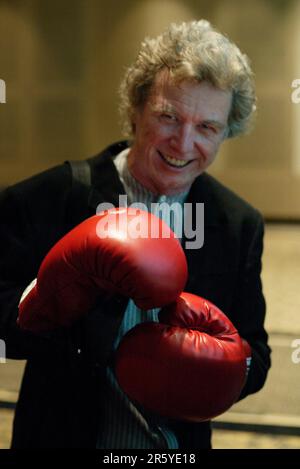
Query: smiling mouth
[{"x": 174, "y": 162}]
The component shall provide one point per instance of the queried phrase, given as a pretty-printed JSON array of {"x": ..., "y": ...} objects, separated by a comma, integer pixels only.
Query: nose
[{"x": 184, "y": 138}]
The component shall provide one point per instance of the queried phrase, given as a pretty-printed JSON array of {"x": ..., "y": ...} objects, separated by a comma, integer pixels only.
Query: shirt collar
[{"x": 135, "y": 190}]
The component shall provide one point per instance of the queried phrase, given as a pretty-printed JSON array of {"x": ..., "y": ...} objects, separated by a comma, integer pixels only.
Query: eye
[
  {"x": 210, "y": 129},
  {"x": 167, "y": 117}
]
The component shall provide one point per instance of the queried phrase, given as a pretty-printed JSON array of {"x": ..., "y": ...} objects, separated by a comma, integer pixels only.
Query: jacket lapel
[
  {"x": 106, "y": 185},
  {"x": 213, "y": 258}
]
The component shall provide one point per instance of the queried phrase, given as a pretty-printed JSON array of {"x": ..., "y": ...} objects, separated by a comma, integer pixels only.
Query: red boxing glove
[
  {"x": 116, "y": 252},
  {"x": 189, "y": 366}
]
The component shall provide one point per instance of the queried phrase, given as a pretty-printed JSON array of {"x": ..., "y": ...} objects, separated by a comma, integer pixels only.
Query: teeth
[{"x": 174, "y": 161}]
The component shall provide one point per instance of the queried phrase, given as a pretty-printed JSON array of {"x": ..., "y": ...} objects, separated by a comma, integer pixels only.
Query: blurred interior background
[{"x": 62, "y": 61}]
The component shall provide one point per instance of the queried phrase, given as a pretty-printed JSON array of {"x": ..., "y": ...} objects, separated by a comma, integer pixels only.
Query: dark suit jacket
[{"x": 62, "y": 391}]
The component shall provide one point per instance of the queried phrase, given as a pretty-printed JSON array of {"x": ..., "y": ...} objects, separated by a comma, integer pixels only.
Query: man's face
[{"x": 177, "y": 133}]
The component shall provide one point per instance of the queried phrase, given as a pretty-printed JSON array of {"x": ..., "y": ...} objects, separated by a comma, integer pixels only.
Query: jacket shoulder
[
  {"x": 230, "y": 205},
  {"x": 38, "y": 206},
  {"x": 49, "y": 183}
]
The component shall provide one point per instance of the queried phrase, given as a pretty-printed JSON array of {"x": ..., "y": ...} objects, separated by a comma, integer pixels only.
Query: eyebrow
[
  {"x": 169, "y": 108},
  {"x": 216, "y": 123}
]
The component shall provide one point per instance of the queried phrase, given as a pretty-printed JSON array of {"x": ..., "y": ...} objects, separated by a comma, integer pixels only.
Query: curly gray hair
[{"x": 197, "y": 51}]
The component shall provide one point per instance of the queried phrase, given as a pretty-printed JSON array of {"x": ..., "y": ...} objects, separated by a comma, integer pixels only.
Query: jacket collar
[
  {"x": 106, "y": 184},
  {"x": 202, "y": 191}
]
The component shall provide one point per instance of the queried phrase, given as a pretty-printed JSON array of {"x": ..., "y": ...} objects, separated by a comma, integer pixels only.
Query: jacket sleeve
[
  {"x": 250, "y": 309},
  {"x": 27, "y": 230}
]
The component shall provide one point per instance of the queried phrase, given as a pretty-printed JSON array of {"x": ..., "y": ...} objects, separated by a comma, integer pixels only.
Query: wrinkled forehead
[
  {"x": 166, "y": 88},
  {"x": 166, "y": 82},
  {"x": 188, "y": 95}
]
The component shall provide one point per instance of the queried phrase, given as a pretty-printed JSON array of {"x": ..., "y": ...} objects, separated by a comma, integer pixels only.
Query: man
[{"x": 188, "y": 90}]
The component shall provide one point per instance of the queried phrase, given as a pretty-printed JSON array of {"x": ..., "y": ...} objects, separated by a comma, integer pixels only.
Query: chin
[{"x": 171, "y": 190}]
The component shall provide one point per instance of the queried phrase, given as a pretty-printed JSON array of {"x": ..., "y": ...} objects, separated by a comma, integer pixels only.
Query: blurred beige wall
[{"x": 62, "y": 61}]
